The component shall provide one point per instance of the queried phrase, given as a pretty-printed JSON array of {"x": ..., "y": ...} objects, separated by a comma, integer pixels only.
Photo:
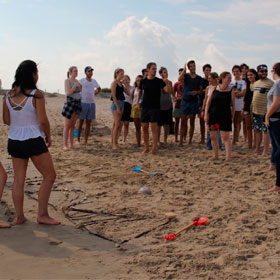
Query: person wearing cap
[
  {"x": 89, "y": 90},
  {"x": 259, "y": 108}
]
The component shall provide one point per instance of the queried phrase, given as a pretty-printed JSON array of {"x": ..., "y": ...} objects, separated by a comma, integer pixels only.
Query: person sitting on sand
[
  {"x": 117, "y": 107},
  {"x": 72, "y": 107},
  {"x": 272, "y": 121},
  {"x": 90, "y": 88},
  {"x": 25, "y": 113},
  {"x": 150, "y": 111},
  {"x": 219, "y": 114},
  {"x": 3, "y": 179}
]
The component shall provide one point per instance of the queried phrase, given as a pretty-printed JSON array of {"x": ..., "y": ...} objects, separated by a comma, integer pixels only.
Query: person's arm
[
  {"x": 139, "y": 93},
  {"x": 168, "y": 86},
  {"x": 182, "y": 75},
  {"x": 97, "y": 91},
  {"x": 40, "y": 106},
  {"x": 132, "y": 95},
  {"x": 272, "y": 109},
  {"x": 208, "y": 103},
  {"x": 6, "y": 113},
  {"x": 114, "y": 97},
  {"x": 232, "y": 105},
  {"x": 205, "y": 99},
  {"x": 69, "y": 90}
]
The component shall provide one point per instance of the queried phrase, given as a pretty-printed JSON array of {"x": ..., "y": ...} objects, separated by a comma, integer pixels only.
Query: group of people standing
[{"x": 219, "y": 101}]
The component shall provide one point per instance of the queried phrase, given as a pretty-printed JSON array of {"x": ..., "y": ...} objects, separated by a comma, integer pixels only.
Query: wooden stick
[{"x": 185, "y": 228}]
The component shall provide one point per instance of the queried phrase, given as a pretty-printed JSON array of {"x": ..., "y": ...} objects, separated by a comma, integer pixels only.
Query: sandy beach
[{"x": 110, "y": 231}]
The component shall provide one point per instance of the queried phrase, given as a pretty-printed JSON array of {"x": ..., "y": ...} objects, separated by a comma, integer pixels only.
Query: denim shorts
[
  {"x": 121, "y": 105},
  {"x": 88, "y": 111}
]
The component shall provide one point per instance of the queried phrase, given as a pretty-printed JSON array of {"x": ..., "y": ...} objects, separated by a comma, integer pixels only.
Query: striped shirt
[{"x": 259, "y": 102}]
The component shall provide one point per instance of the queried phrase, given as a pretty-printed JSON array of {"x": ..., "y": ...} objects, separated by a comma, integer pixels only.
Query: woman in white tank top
[{"x": 24, "y": 111}]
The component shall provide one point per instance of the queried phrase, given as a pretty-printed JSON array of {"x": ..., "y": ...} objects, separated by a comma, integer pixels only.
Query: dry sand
[{"x": 241, "y": 240}]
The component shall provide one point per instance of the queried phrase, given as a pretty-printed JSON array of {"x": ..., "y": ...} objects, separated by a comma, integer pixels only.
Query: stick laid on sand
[{"x": 198, "y": 221}]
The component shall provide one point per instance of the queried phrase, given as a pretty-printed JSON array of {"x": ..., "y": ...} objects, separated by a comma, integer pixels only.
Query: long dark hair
[{"x": 24, "y": 77}]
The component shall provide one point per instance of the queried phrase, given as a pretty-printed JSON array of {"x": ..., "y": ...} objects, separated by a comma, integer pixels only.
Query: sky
[{"x": 108, "y": 34}]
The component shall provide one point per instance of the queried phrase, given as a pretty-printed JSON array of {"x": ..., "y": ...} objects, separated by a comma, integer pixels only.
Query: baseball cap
[
  {"x": 88, "y": 68},
  {"x": 262, "y": 67}
]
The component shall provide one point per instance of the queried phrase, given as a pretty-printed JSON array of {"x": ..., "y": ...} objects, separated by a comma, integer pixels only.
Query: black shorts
[
  {"x": 165, "y": 117},
  {"x": 126, "y": 113},
  {"x": 150, "y": 115},
  {"x": 71, "y": 106},
  {"x": 27, "y": 148}
]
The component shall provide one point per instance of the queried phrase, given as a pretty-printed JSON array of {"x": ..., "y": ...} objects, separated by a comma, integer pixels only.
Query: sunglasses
[{"x": 263, "y": 71}]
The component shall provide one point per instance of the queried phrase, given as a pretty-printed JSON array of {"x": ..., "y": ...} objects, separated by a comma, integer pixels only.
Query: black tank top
[{"x": 119, "y": 93}]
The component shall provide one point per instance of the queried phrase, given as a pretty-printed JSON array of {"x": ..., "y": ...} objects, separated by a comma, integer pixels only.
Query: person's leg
[
  {"x": 227, "y": 143},
  {"x": 67, "y": 125},
  {"x": 3, "y": 179},
  {"x": 87, "y": 130},
  {"x": 158, "y": 133},
  {"x": 192, "y": 120},
  {"x": 20, "y": 167},
  {"x": 249, "y": 134},
  {"x": 183, "y": 128},
  {"x": 202, "y": 130},
  {"x": 120, "y": 129},
  {"x": 273, "y": 151},
  {"x": 154, "y": 128},
  {"x": 166, "y": 132},
  {"x": 116, "y": 128},
  {"x": 208, "y": 141},
  {"x": 215, "y": 144},
  {"x": 236, "y": 127},
  {"x": 81, "y": 122},
  {"x": 258, "y": 141},
  {"x": 245, "y": 130},
  {"x": 220, "y": 140},
  {"x": 137, "y": 124},
  {"x": 176, "y": 128},
  {"x": 274, "y": 131},
  {"x": 44, "y": 165},
  {"x": 74, "y": 119},
  {"x": 126, "y": 129},
  {"x": 266, "y": 142},
  {"x": 145, "y": 127}
]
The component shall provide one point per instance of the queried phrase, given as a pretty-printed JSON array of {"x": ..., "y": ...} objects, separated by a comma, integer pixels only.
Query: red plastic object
[
  {"x": 170, "y": 237},
  {"x": 199, "y": 221}
]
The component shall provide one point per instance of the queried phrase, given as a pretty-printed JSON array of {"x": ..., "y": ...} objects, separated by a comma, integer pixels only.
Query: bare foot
[
  {"x": 145, "y": 152},
  {"x": 115, "y": 147},
  {"x": 228, "y": 159},
  {"x": 5, "y": 226},
  {"x": 152, "y": 152},
  {"x": 275, "y": 189},
  {"x": 21, "y": 220},
  {"x": 264, "y": 154},
  {"x": 65, "y": 148},
  {"x": 214, "y": 158},
  {"x": 47, "y": 220},
  {"x": 271, "y": 168}
]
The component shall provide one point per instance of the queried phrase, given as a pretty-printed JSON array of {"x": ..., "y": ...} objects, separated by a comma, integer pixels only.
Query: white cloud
[
  {"x": 130, "y": 44},
  {"x": 239, "y": 12}
]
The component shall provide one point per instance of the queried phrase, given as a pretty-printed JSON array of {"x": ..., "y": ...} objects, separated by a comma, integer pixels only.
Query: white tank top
[{"x": 24, "y": 122}]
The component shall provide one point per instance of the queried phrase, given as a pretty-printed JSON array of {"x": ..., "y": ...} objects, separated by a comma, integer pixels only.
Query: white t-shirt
[
  {"x": 128, "y": 97},
  {"x": 88, "y": 90},
  {"x": 240, "y": 85}
]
